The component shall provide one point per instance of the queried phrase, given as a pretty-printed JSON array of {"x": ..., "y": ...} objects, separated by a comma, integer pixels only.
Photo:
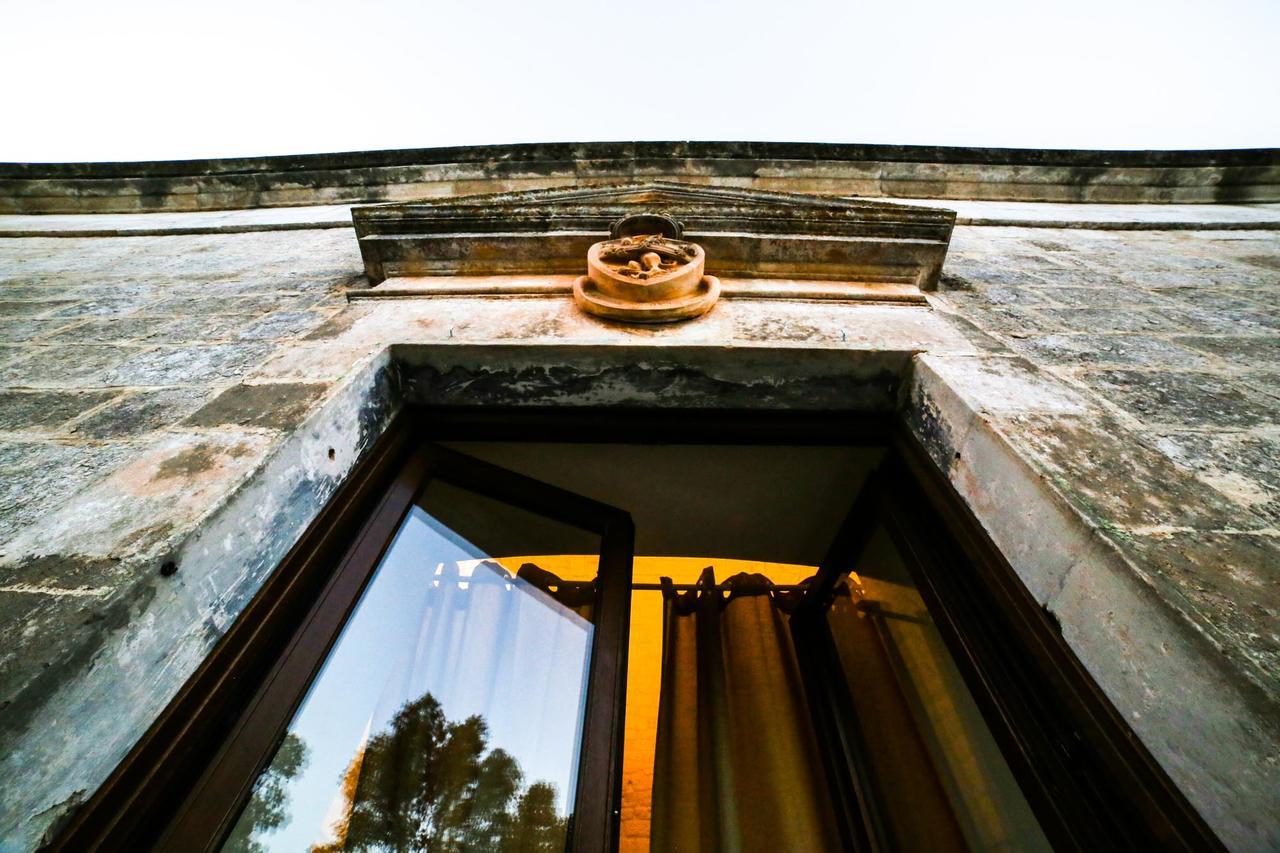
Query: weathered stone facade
[{"x": 175, "y": 407}]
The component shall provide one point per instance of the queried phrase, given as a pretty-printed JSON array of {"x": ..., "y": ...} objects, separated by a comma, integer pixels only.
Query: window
[{"x": 803, "y": 649}]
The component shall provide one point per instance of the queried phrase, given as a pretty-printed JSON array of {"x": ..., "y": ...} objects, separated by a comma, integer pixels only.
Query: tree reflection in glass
[
  {"x": 268, "y": 807},
  {"x": 448, "y": 714},
  {"x": 424, "y": 784}
]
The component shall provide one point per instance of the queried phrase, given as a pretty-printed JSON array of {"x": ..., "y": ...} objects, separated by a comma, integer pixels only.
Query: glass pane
[
  {"x": 448, "y": 714},
  {"x": 927, "y": 744}
]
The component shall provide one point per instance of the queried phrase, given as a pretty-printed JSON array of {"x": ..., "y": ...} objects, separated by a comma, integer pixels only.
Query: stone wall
[{"x": 173, "y": 409}]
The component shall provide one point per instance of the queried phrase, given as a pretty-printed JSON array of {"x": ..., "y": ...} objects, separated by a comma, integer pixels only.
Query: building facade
[{"x": 196, "y": 357}]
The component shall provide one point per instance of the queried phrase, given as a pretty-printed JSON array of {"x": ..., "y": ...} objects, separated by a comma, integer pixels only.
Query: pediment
[{"x": 749, "y": 233}]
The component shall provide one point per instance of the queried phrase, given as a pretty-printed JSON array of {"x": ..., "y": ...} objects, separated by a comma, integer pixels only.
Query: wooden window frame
[
  {"x": 1086, "y": 775},
  {"x": 1088, "y": 779}
]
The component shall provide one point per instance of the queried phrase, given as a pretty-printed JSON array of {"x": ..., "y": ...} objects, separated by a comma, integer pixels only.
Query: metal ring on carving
[
  {"x": 646, "y": 223},
  {"x": 696, "y": 304}
]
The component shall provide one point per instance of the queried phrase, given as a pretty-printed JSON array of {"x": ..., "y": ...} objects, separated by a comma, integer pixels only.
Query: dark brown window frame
[
  {"x": 209, "y": 812},
  {"x": 1088, "y": 778}
]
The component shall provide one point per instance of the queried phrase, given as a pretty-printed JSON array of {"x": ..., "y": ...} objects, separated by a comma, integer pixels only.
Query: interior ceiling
[{"x": 751, "y": 502}]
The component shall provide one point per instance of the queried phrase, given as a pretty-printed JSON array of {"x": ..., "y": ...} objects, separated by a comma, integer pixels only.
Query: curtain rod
[
  {"x": 720, "y": 587},
  {"x": 571, "y": 584},
  {"x": 679, "y": 587}
]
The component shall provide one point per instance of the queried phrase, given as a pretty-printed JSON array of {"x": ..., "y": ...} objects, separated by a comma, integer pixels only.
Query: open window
[
  {"x": 805, "y": 644},
  {"x": 443, "y": 692}
]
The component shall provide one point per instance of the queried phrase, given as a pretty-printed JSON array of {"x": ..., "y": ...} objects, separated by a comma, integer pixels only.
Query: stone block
[
  {"x": 69, "y": 366},
  {"x": 1210, "y": 322},
  {"x": 45, "y": 410},
  {"x": 142, "y": 411},
  {"x": 280, "y": 405},
  {"x": 107, "y": 330},
  {"x": 1184, "y": 399},
  {"x": 280, "y": 324},
  {"x": 1088, "y": 350},
  {"x": 198, "y": 328},
  {"x": 1115, "y": 481},
  {"x": 17, "y": 330},
  {"x": 1102, "y": 297},
  {"x": 1137, "y": 320},
  {"x": 196, "y": 364},
  {"x": 13, "y": 309},
  {"x": 1243, "y": 467},
  {"x": 1242, "y": 353},
  {"x": 40, "y": 481}
]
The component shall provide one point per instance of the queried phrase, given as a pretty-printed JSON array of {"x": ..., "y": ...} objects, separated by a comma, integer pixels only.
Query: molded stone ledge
[
  {"x": 558, "y": 286},
  {"x": 1097, "y": 217},
  {"x": 890, "y": 171}
]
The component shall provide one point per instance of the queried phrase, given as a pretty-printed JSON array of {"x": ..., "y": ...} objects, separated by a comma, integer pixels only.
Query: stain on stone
[
  {"x": 141, "y": 412},
  {"x": 1050, "y": 245},
  {"x": 1228, "y": 581},
  {"x": 336, "y": 325},
  {"x": 776, "y": 329},
  {"x": 59, "y": 815},
  {"x": 672, "y": 384},
  {"x": 1267, "y": 262},
  {"x": 40, "y": 410},
  {"x": 52, "y": 641},
  {"x": 956, "y": 282},
  {"x": 1114, "y": 480},
  {"x": 61, "y": 571},
  {"x": 1243, "y": 467},
  {"x": 547, "y": 327},
  {"x": 192, "y": 461},
  {"x": 925, "y": 421},
  {"x": 280, "y": 405}
]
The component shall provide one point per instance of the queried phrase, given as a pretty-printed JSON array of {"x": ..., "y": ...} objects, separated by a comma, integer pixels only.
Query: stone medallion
[{"x": 645, "y": 274}]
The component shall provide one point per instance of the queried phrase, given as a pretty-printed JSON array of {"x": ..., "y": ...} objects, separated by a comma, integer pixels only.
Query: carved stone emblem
[{"x": 646, "y": 274}]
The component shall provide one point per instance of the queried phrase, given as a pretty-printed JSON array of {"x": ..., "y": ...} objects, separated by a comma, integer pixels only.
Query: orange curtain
[
  {"x": 736, "y": 766},
  {"x": 909, "y": 796}
]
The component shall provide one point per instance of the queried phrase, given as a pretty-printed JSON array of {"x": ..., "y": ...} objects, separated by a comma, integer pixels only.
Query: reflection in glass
[
  {"x": 941, "y": 772},
  {"x": 448, "y": 715}
]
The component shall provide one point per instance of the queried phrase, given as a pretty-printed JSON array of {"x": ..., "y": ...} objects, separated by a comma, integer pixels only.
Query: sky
[{"x": 157, "y": 79}]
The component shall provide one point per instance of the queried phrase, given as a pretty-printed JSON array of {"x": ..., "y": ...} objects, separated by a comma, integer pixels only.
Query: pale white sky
[{"x": 162, "y": 79}]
